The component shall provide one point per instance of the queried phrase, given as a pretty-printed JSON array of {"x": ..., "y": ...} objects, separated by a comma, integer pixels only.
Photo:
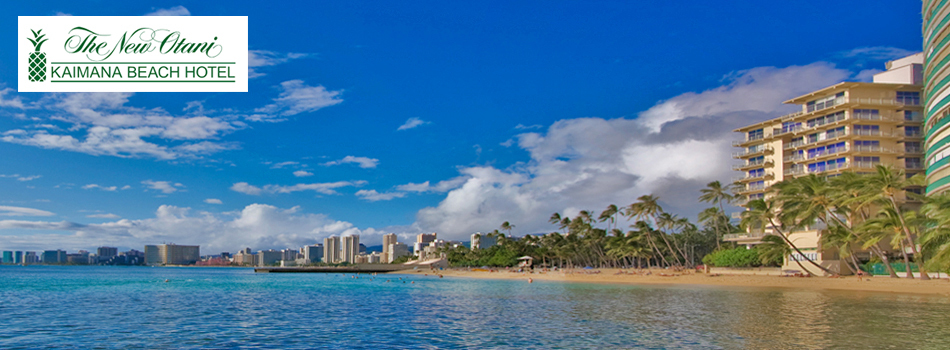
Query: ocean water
[{"x": 132, "y": 307}]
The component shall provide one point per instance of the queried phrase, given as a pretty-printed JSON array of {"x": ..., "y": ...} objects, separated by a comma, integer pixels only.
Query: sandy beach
[{"x": 665, "y": 277}]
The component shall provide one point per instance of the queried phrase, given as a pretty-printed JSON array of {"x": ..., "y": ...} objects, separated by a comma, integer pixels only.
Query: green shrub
[{"x": 738, "y": 257}]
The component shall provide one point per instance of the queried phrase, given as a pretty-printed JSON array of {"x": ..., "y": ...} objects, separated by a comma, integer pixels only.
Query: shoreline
[{"x": 881, "y": 284}]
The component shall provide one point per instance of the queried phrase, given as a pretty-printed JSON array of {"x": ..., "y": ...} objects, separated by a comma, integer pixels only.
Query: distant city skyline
[{"x": 428, "y": 117}]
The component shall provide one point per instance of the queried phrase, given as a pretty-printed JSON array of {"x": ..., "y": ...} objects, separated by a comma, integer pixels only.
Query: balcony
[
  {"x": 794, "y": 157},
  {"x": 794, "y": 172},
  {"x": 751, "y": 188},
  {"x": 746, "y": 237},
  {"x": 913, "y": 150},
  {"x": 766, "y": 175},
  {"x": 748, "y": 166},
  {"x": 884, "y": 101},
  {"x": 792, "y": 145},
  {"x": 746, "y": 153}
]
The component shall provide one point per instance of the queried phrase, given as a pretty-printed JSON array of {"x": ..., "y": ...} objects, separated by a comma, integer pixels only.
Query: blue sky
[{"x": 407, "y": 117}]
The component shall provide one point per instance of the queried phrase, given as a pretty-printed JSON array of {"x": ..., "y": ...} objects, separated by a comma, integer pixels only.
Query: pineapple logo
[{"x": 37, "y": 58}]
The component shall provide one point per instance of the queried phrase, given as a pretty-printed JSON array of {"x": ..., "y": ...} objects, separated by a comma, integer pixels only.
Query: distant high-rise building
[
  {"x": 313, "y": 253},
  {"x": 106, "y": 253},
  {"x": 388, "y": 239},
  {"x": 54, "y": 256},
  {"x": 426, "y": 237},
  {"x": 18, "y": 257},
  {"x": 331, "y": 250},
  {"x": 350, "y": 247},
  {"x": 288, "y": 254},
  {"x": 30, "y": 258},
  {"x": 172, "y": 254},
  {"x": 396, "y": 251},
  {"x": 483, "y": 241},
  {"x": 7, "y": 257},
  {"x": 268, "y": 257},
  {"x": 245, "y": 257}
]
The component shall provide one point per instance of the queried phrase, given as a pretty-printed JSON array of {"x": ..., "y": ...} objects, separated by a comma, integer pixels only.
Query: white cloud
[
  {"x": 363, "y": 162},
  {"x": 245, "y": 188},
  {"x": 671, "y": 150},
  {"x": 373, "y": 196},
  {"x": 440, "y": 187},
  {"x": 173, "y": 11},
  {"x": 283, "y": 164},
  {"x": 259, "y": 226},
  {"x": 529, "y": 127},
  {"x": 877, "y": 53},
  {"x": 163, "y": 186},
  {"x": 104, "y": 188},
  {"x": 21, "y": 211},
  {"x": 302, "y": 173},
  {"x": 22, "y": 178},
  {"x": 295, "y": 98},
  {"x": 213, "y": 201},
  {"x": 412, "y": 123},
  {"x": 264, "y": 58},
  {"x": 14, "y": 102},
  {"x": 103, "y": 216},
  {"x": 324, "y": 188}
]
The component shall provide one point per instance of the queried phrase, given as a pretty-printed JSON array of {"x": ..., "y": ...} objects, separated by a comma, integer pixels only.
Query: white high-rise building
[
  {"x": 396, "y": 251},
  {"x": 350, "y": 248},
  {"x": 331, "y": 250},
  {"x": 387, "y": 240}
]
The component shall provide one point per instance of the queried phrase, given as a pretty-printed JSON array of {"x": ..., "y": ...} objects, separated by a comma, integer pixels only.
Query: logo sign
[{"x": 132, "y": 54}]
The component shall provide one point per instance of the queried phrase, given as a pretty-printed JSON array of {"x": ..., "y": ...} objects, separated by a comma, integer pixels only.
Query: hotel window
[
  {"x": 755, "y": 135},
  {"x": 912, "y": 131},
  {"x": 867, "y": 146},
  {"x": 756, "y": 173},
  {"x": 912, "y": 163},
  {"x": 867, "y": 130},
  {"x": 826, "y": 102},
  {"x": 867, "y": 114},
  {"x": 867, "y": 162},
  {"x": 757, "y": 185},
  {"x": 826, "y": 119},
  {"x": 912, "y": 116},
  {"x": 827, "y": 165},
  {"x": 908, "y": 97},
  {"x": 912, "y": 147},
  {"x": 791, "y": 126}
]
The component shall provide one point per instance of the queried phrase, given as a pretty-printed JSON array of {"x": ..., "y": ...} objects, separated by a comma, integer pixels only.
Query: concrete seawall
[{"x": 365, "y": 268}]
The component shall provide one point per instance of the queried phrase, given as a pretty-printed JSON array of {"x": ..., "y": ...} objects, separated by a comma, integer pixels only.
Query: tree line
[{"x": 878, "y": 214}]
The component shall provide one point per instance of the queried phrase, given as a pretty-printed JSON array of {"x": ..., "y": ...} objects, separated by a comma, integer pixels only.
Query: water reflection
[{"x": 133, "y": 308}]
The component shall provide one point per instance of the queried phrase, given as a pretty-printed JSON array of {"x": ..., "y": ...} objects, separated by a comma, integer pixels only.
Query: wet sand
[{"x": 666, "y": 277}]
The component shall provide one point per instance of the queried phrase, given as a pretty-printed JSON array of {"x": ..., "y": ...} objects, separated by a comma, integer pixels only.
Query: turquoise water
[{"x": 132, "y": 307}]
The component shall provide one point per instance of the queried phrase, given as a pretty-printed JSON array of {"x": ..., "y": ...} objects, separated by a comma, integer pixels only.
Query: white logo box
[{"x": 132, "y": 54}]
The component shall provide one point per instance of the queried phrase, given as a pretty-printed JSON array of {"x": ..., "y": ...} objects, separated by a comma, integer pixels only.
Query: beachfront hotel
[
  {"x": 846, "y": 127},
  {"x": 172, "y": 254},
  {"x": 936, "y": 32}
]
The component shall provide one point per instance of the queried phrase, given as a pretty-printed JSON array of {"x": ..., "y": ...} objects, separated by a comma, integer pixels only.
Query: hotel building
[
  {"x": 350, "y": 246},
  {"x": 388, "y": 239},
  {"x": 331, "y": 250},
  {"x": 846, "y": 127},
  {"x": 172, "y": 254},
  {"x": 936, "y": 32}
]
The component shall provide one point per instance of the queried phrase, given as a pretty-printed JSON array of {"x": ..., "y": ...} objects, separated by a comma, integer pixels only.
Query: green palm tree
[
  {"x": 774, "y": 248},
  {"x": 716, "y": 194},
  {"x": 507, "y": 227},
  {"x": 762, "y": 214},
  {"x": 888, "y": 184},
  {"x": 609, "y": 214}
]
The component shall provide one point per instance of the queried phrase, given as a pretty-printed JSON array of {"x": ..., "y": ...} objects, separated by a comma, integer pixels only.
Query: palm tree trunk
[
  {"x": 910, "y": 239},
  {"x": 887, "y": 262},
  {"x": 910, "y": 274},
  {"x": 789, "y": 242}
]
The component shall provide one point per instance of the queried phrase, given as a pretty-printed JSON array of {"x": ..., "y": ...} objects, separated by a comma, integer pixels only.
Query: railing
[
  {"x": 745, "y": 235},
  {"x": 883, "y": 101},
  {"x": 794, "y": 158},
  {"x": 913, "y": 134},
  {"x": 746, "y": 152},
  {"x": 764, "y": 175},
  {"x": 791, "y": 145},
  {"x": 794, "y": 171},
  {"x": 914, "y": 166},
  {"x": 913, "y": 150}
]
